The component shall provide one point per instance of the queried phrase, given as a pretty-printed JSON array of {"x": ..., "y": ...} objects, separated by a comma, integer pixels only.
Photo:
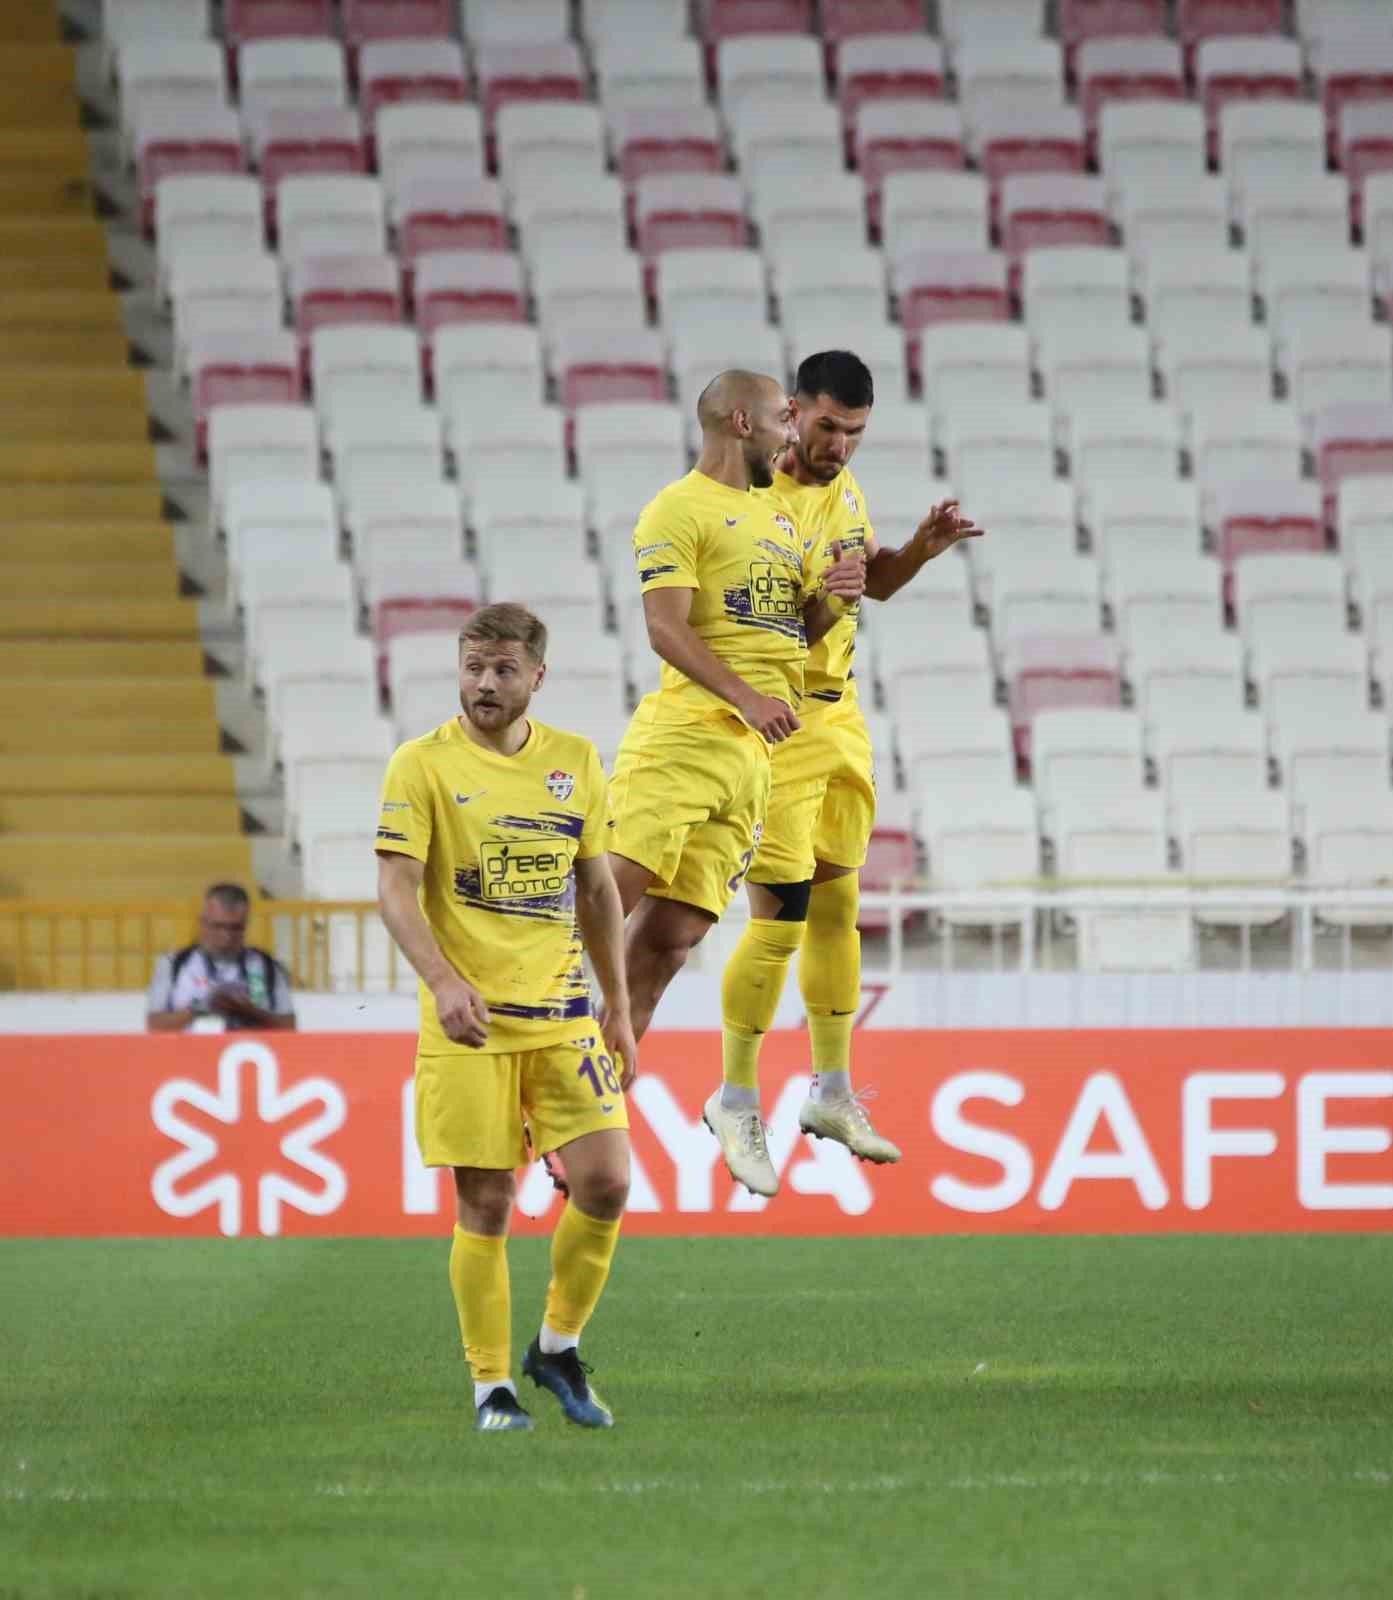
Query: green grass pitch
[{"x": 820, "y": 1419}]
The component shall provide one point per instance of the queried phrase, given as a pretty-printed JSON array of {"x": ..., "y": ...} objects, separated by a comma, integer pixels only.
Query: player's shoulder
[
  {"x": 684, "y": 493},
  {"x": 572, "y": 751},
  {"x": 424, "y": 745}
]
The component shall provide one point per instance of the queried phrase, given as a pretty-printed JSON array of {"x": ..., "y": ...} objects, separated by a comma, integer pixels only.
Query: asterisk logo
[{"x": 224, "y": 1188}]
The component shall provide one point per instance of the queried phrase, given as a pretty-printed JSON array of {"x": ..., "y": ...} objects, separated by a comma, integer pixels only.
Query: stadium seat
[
  {"x": 348, "y": 361},
  {"x": 544, "y": 515},
  {"x": 303, "y": 140},
  {"x": 972, "y": 364},
  {"x": 495, "y": 450},
  {"x": 183, "y": 139},
  {"x": 213, "y": 291},
  {"x": 1229, "y": 446},
  {"x": 405, "y": 439},
  {"x": 704, "y": 346},
  {"x": 1327, "y": 755},
  {"x": 466, "y": 286},
  {"x": 1142, "y": 513},
  {"x": 905, "y": 136},
  {"x": 1287, "y": 213},
  {"x": 763, "y": 66},
  {"x": 262, "y": 509},
  {"x": 1080, "y": 747},
  {"x": 1186, "y": 290},
  {"x": 430, "y": 138},
  {"x": 125, "y": 20},
  {"x": 1082, "y": 20},
  {"x": 785, "y": 140},
  {"x": 443, "y": 213},
  {"x": 410, "y": 523},
  {"x": 1040, "y": 594},
  {"x": 597, "y": 287},
  {"x": 365, "y": 21},
  {"x": 1162, "y": 211},
  {"x": 1142, "y": 140},
  {"x": 1064, "y": 287},
  {"x": 651, "y": 141},
  {"x": 330, "y": 290},
  {"x": 1349, "y": 840},
  {"x": 516, "y": 77},
  {"x": 1126, "y": 69},
  {"x": 1201, "y": 358},
  {"x": 933, "y": 212},
  {"x": 932, "y": 288},
  {"x": 948, "y": 665},
  {"x": 1087, "y": 368},
  {"x": 1030, "y": 139},
  {"x": 1313, "y": 288},
  {"x": 850, "y": 283},
  {"x": 705, "y": 284},
  {"x": 1352, "y": 70},
  {"x": 605, "y": 20},
  {"x": 489, "y": 358},
  {"x": 275, "y": 587},
  {"x": 1236, "y": 835},
  {"x": 1009, "y": 68},
  {"x": 1364, "y": 516},
  {"x": 241, "y": 367},
  {"x": 207, "y": 213},
  {"x": 600, "y": 365},
  {"x": 418, "y": 597},
  {"x": 1366, "y": 149},
  {"x": 1350, "y": 441},
  {"x": 164, "y": 71},
  {"x": 982, "y": 22},
  {"x": 689, "y": 211},
  {"x": 821, "y": 219},
  {"x": 981, "y": 443},
  {"x": 640, "y": 70},
  {"x": 992, "y": 840},
  {"x": 1310, "y": 673},
  {"x": 1265, "y": 516},
  {"x": 291, "y": 72},
  {"x": 1029, "y": 518},
  {"x": 885, "y": 64},
  {"x": 960, "y": 746},
  {"x": 1172, "y": 675},
  {"x": 517, "y": 22},
  {"x": 1341, "y": 364},
  {"x": 276, "y": 19},
  {"x": 1049, "y": 212},
  {"x": 546, "y": 139},
  {"x": 328, "y": 216},
  {"x": 1270, "y": 138},
  {"x": 629, "y": 432},
  {"x": 1115, "y": 442},
  {"x": 1197, "y": 20},
  {"x": 259, "y": 441},
  {"x": 1187, "y": 585},
  {"x": 555, "y": 215},
  {"x": 1244, "y": 68},
  {"x": 1127, "y": 842},
  {"x": 1215, "y": 751},
  {"x": 1273, "y": 590},
  {"x": 396, "y": 71}
]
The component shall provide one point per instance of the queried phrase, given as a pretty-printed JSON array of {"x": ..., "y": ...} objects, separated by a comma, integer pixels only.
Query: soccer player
[
  {"x": 803, "y": 883},
  {"x": 731, "y": 599},
  {"x": 492, "y": 875}
]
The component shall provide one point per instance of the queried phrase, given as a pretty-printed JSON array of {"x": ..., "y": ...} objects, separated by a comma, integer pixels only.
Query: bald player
[{"x": 732, "y": 601}]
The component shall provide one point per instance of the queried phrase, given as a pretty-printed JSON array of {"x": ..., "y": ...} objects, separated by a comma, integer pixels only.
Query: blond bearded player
[
  {"x": 731, "y": 600},
  {"x": 803, "y": 883},
  {"x": 492, "y": 876}
]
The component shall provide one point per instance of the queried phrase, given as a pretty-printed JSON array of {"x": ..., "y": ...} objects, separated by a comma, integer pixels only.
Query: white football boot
[
  {"x": 844, "y": 1119},
  {"x": 740, "y": 1134}
]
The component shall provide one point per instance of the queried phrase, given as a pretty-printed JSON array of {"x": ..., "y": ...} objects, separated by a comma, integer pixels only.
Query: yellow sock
[
  {"x": 483, "y": 1299},
  {"x": 750, "y": 990},
  {"x": 581, "y": 1251},
  {"x": 829, "y": 972}
]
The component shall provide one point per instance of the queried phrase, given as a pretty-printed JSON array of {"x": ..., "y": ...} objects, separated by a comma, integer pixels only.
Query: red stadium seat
[
  {"x": 528, "y": 72},
  {"x": 1245, "y": 69},
  {"x": 599, "y": 366},
  {"x": 1048, "y": 211},
  {"x": 689, "y": 212},
  {"x": 329, "y": 291},
  {"x": 1366, "y": 146},
  {"x": 466, "y": 286},
  {"x": 1352, "y": 70},
  {"x": 652, "y": 142},
  {"x": 276, "y": 19},
  {"x": 1026, "y": 139},
  {"x": 242, "y": 367},
  {"x": 887, "y": 67},
  {"x": 890, "y": 859},
  {"x": 1052, "y": 671},
  {"x": 721, "y": 19},
  {"x": 967, "y": 286},
  {"x": 1351, "y": 441},
  {"x": 180, "y": 140},
  {"x": 843, "y": 20},
  {"x": 1259, "y": 517},
  {"x": 1197, "y": 20},
  {"x": 447, "y": 213},
  {"x": 390, "y": 70},
  {"x": 1126, "y": 69},
  {"x": 367, "y": 21},
  {"x": 294, "y": 140},
  {"x": 401, "y": 615},
  {"x": 1109, "y": 19},
  {"x": 905, "y": 136}
]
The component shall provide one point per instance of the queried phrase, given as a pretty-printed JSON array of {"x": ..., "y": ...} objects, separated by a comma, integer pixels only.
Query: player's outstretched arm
[
  {"x": 600, "y": 917},
  {"x": 887, "y": 571},
  {"x": 679, "y": 644},
  {"x": 463, "y": 1014},
  {"x": 843, "y": 584}
]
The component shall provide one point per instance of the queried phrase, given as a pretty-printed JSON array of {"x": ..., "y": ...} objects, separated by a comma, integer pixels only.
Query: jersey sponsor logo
[
  {"x": 523, "y": 872},
  {"x": 773, "y": 593},
  {"x": 561, "y": 785},
  {"x": 396, "y": 805}
]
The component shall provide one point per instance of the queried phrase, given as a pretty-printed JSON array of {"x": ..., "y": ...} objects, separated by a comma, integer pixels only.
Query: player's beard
[
  {"x": 502, "y": 712},
  {"x": 824, "y": 473},
  {"x": 760, "y": 471}
]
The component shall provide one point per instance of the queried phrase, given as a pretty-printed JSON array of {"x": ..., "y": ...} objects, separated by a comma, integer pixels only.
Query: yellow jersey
[
  {"x": 743, "y": 555},
  {"x": 499, "y": 836},
  {"x": 827, "y": 512}
]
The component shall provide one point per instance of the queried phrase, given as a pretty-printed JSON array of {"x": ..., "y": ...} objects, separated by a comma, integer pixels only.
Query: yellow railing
[{"x": 329, "y": 947}]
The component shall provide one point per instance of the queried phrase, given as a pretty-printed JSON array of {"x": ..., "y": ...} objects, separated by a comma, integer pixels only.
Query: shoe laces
[
  {"x": 754, "y": 1135},
  {"x": 856, "y": 1107},
  {"x": 575, "y": 1369}
]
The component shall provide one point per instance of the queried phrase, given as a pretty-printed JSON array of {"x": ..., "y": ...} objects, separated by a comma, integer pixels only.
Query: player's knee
[
  {"x": 792, "y": 900},
  {"x": 603, "y": 1195},
  {"x": 485, "y": 1199}
]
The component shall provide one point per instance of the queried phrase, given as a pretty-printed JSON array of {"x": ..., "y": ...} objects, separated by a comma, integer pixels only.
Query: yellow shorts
[
  {"x": 474, "y": 1109},
  {"x": 822, "y": 804},
  {"x": 689, "y": 800}
]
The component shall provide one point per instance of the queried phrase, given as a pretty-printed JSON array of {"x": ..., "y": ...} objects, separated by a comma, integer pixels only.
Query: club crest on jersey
[
  {"x": 561, "y": 785},
  {"x": 851, "y": 502}
]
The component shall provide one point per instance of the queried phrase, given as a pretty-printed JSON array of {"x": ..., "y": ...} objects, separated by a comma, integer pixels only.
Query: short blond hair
[{"x": 507, "y": 623}]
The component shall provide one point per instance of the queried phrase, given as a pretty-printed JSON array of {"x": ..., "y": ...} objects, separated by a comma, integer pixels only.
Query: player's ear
[
  {"x": 541, "y": 673},
  {"x": 740, "y": 423}
]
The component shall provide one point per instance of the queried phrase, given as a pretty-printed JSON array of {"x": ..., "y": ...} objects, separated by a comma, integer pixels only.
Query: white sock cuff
[
  {"x": 553, "y": 1343},
  {"x": 483, "y": 1390}
]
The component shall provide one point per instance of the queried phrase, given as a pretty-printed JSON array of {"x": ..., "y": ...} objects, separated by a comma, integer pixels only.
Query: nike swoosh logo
[
  {"x": 732, "y": 521},
  {"x": 464, "y": 799},
  {"x": 606, "y": 1109}
]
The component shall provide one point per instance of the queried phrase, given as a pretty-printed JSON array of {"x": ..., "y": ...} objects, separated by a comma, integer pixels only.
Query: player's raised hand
[
  {"x": 618, "y": 1034},
  {"x": 944, "y": 526},
  {"x": 772, "y": 719},
  {"x": 462, "y": 1012},
  {"x": 846, "y": 577}
]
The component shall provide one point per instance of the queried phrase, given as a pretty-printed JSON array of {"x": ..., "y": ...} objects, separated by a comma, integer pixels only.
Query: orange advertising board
[{"x": 1143, "y": 1131}]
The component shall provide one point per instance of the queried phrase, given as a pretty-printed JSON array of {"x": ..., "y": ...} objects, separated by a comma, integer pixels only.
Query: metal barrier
[{"x": 341, "y": 946}]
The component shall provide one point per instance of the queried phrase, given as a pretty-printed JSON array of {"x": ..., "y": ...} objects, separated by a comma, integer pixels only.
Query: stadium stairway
[{"x": 118, "y": 779}]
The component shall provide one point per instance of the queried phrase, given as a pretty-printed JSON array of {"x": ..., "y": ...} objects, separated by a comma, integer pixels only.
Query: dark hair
[
  {"x": 228, "y": 894},
  {"x": 838, "y": 373},
  {"x": 507, "y": 623}
]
